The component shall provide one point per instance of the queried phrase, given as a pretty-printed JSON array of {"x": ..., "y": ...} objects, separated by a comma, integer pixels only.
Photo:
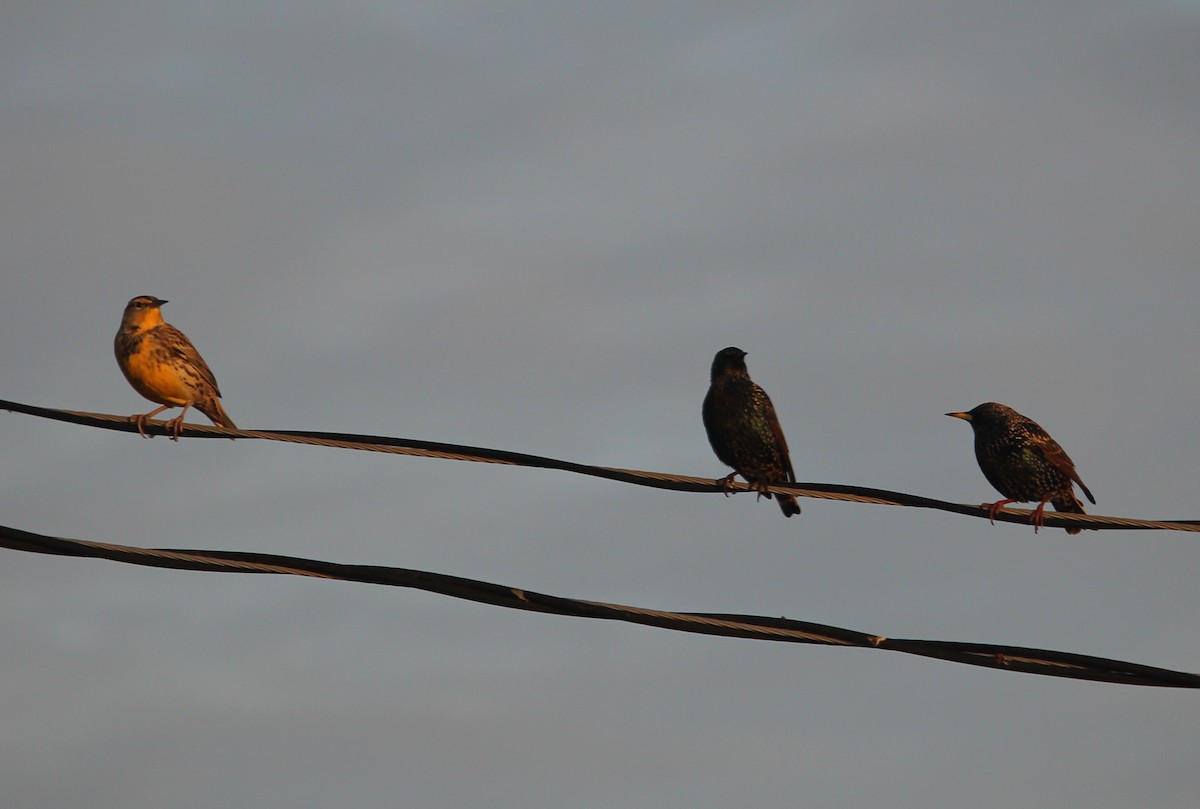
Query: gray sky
[{"x": 530, "y": 226}]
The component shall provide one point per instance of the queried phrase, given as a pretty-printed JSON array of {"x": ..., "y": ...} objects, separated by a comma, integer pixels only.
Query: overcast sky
[{"x": 529, "y": 226}]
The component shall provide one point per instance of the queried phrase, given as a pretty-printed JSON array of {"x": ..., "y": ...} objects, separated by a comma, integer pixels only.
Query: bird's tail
[
  {"x": 212, "y": 408},
  {"x": 1071, "y": 505},
  {"x": 787, "y": 504}
]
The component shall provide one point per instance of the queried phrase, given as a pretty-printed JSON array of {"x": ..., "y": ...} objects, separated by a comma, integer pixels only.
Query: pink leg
[
  {"x": 176, "y": 424},
  {"x": 992, "y": 508},
  {"x": 1039, "y": 518},
  {"x": 140, "y": 420}
]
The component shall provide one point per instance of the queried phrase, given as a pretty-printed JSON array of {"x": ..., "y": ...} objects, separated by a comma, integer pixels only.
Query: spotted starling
[
  {"x": 744, "y": 430},
  {"x": 1023, "y": 462}
]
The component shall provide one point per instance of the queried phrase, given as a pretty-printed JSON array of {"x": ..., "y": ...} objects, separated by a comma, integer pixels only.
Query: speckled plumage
[
  {"x": 163, "y": 365},
  {"x": 1023, "y": 462},
  {"x": 744, "y": 430}
]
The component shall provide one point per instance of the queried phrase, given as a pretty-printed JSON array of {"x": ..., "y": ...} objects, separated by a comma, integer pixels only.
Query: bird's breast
[{"x": 151, "y": 372}]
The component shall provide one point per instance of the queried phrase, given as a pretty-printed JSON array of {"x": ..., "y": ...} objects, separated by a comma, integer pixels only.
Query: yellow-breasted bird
[
  {"x": 163, "y": 365},
  {"x": 1023, "y": 462},
  {"x": 744, "y": 430}
]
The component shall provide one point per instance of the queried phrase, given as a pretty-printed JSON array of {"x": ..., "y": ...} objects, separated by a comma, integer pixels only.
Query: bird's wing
[
  {"x": 1058, "y": 458},
  {"x": 777, "y": 433},
  {"x": 182, "y": 347}
]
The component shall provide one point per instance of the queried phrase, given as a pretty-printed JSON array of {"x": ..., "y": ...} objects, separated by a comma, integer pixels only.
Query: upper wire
[{"x": 658, "y": 480}]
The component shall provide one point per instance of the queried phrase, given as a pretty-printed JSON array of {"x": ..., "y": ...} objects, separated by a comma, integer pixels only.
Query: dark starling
[
  {"x": 1023, "y": 462},
  {"x": 744, "y": 430}
]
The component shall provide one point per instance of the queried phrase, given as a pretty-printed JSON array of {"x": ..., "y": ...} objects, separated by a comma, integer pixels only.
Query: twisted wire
[
  {"x": 1006, "y": 658},
  {"x": 659, "y": 480}
]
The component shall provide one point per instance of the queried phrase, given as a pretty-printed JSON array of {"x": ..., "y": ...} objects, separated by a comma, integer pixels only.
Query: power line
[
  {"x": 1011, "y": 658},
  {"x": 659, "y": 480},
  {"x": 1008, "y": 658}
]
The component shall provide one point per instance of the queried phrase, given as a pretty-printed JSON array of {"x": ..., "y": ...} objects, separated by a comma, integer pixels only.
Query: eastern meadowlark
[{"x": 163, "y": 365}]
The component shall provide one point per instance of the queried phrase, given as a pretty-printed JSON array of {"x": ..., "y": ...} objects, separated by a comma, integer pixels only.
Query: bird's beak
[
  {"x": 160, "y": 302},
  {"x": 963, "y": 416}
]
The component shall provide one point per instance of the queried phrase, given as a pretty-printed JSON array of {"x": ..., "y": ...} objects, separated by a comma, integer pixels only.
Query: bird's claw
[
  {"x": 1038, "y": 518},
  {"x": 175, "y": 425},
  {"x": 140, "y": 421},
  {"x": 994, "y": 508}
]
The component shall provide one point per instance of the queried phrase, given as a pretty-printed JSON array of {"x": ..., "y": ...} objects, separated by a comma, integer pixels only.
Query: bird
[
  {"x": 1023, "y": 462},
  {"x": 744, "y": 431},
  {"x": 161, "y": 363}
]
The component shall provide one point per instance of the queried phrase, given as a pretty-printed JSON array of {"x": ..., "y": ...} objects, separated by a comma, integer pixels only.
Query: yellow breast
[{"x": 151, "y": 374}]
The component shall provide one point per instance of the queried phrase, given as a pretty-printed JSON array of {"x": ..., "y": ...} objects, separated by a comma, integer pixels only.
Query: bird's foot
[
  {"x": 726, "y": 483},
  {"x": 175, "y": 425},
  {"x": 1039, "y": 518},
  {"x": 993, "y": 508},
  {"x": 139, "y": 419}
]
